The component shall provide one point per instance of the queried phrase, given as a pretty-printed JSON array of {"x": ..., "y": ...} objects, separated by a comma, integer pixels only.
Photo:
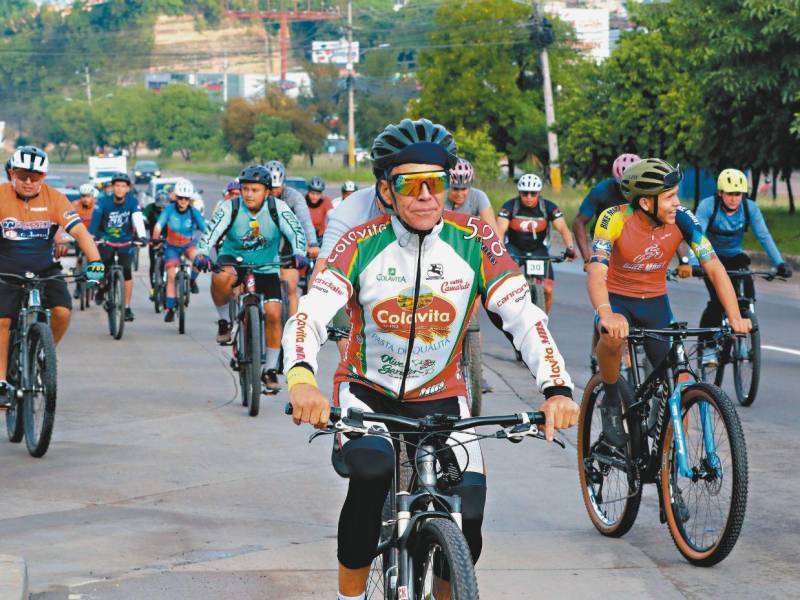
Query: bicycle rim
[
  {"x": 705, "y": 513},
  {"x": 181, "y": 285},
  {"x": 442, "y": 562},
  {"x": 39, "y": 403},
  {"x": 605, "y": 483}
]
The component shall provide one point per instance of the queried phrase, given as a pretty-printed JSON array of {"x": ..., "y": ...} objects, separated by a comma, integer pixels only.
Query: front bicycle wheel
[
  {"x": 254, "y": 332},
  {"x": 382, "y": 578},
  {"x": 39, "y": 402},
  {"x": 442, "y": 563},
  {"x": 611, "y": 493},
  {"x": 116, "y": 304},
  {"x": 705, "y": 511},
  {"x": 180, "y": 285},
  {"x": 747, "y": 363},
  {"x": 537, "y": 294},
  {"x": 472, "y": 369}
]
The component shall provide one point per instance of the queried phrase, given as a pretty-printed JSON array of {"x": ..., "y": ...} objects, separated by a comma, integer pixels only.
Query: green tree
[
  {"x": 639, "y": 100},
  {"x": 476, "y": 146},
  {"x": 126, "y": 117},
  {"x": 273, "y": 138},
  {"x": 184, "y": 120},
  {"x": 483, "y": 68},
  {"x": 238, "y": 121}
]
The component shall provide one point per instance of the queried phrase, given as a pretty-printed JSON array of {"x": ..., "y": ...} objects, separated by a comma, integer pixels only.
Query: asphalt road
[{"x": 158, "y": 485}]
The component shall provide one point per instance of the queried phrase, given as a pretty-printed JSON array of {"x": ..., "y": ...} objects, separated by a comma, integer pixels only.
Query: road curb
[{"x": 13, "y": 578}]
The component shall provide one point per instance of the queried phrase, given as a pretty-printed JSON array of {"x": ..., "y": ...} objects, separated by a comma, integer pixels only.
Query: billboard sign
[{"x": 333, "y": 53}]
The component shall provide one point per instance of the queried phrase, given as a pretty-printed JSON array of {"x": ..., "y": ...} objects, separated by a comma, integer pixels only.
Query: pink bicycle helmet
[
  {"x": 622, "y": 162},
  {"x": 462, "y": 175}
]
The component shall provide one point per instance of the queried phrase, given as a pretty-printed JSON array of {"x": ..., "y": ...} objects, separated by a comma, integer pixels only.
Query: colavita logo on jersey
[{"x": 434, "y": 316}]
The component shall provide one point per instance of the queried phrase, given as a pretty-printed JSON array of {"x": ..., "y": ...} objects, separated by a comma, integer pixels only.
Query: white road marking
[{"x": 782, "y": 349}]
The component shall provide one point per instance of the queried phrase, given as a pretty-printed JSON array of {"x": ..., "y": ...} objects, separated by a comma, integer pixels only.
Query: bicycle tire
[
  {"x": 384, "y": 565},
  {"x": 15, "y": 420},
  {"x": 253, "y": 367},
  {"x": 627, "y": 503},
  {"x": 442, "y": 546},
  {"x": 537, "y": 294},
  {"x": 180, "y": 285},
  {"x": 117, "y": 307},
  {"x": 716, "y": 552},
  {"x": 157, "y": 283},
  {"x": 472, "y": 367},
  {"x": 136, "y": 259},
  {"x": 244, "y": 381},
  {"x": 746, "y": 390},
  {"x": 42, "y": 376},
  {"x": 81, "y": 295}
]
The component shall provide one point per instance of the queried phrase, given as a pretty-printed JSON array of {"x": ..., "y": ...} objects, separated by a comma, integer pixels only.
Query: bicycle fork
[{"x": 709, "y": 444}]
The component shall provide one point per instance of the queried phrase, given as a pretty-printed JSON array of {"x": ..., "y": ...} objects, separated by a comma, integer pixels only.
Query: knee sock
[
  {"x": 273, "y": 354},
  {"x": 222, "y": 311},
  {"x": 195, "y": 275},
  {"x": 612, "y": 398},
  {"x": 172, "y": 302},
  {"x": 341, "y": 596}
]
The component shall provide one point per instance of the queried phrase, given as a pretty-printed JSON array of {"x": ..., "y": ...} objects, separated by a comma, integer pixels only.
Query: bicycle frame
[
  {"x": 249, "y": 297},
  {"x": 675, "y": 362}
]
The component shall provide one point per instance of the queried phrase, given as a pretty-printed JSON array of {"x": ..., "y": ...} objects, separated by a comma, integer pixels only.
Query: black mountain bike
[
  {"x": 31, "y": 367},
  {"x": 158, "y": 279},
  {"x": 183, "y": 282},
  {"x": 743, "y": 352},
  {"x": 114, "y": 302},
  {"x": 246, "y": 314},
  {"x": 83, "y": 291},
  {"x": 683, "y": 436},
  {"x": 422, "y": 551}
]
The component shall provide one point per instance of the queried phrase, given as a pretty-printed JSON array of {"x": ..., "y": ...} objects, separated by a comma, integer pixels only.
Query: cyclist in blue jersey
[
  {"x": 181, "y": 221},
  {"x": 725, "y": 217},
  {"x": 602, "y": 196},
  {"x": 119, "y": 222},
  {"x": 253, "y": 227}
]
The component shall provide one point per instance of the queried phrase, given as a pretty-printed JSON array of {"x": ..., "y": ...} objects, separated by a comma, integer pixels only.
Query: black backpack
[{"x": 717, "y": 202}]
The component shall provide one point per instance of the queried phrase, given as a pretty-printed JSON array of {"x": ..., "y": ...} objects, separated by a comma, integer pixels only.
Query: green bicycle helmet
[{"x": 649, "y": 177}]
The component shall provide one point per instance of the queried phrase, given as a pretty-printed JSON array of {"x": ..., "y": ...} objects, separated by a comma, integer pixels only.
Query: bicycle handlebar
[
  {"x": 32, "y": 278},
  {"x": 555, "y": 259},
  {"x": 242, "y": 265},
  {"x": 641, "y": 332},
  {"x": 435, "y": 422}
]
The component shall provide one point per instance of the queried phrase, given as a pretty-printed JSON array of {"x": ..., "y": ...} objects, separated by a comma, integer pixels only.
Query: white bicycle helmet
[
  {"x": 529, "y": 183},
  {"x": 277, "y": 172},
  {"x": 349, "y": 186},
  {"x": 87, "y": 189},
  {"x": 184, "y": 188},
  {"x": 30, "y": 158}
]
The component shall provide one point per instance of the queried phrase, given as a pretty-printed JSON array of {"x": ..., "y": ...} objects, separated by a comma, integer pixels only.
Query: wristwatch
[{"x": 684, "y": 260}]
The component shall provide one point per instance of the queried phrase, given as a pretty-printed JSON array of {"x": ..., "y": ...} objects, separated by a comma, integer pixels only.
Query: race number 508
[{"x": 486, "y": 233}]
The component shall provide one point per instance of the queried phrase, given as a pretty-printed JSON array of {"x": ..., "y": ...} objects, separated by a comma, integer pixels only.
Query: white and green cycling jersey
[{"x": 254, "y": 237}]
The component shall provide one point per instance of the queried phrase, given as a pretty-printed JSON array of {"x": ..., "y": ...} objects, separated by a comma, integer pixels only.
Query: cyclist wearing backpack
[
  {"x": 253, "y": 227},
  {"x": 526, "y": 221},
  {"x": 725, "y": 217},
  {"x": 319, "y": 205}
]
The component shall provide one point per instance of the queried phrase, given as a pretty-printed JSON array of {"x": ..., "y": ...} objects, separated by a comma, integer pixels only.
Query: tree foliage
[
  {"x": 476, "y": 146},
  {"x": 483, "y": 69},
  {"x": 184, "y": 120},
  {"x": 273, "y": 139}
]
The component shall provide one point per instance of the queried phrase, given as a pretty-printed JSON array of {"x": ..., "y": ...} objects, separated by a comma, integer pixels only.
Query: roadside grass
[{"x": 785, "y": 228}]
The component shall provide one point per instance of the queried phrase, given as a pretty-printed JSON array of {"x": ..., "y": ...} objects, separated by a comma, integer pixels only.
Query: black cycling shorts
[
  {"x": 267, "y": 284},
  {"x": 125, "y": 259},
  {"x": 54, "y": 293},
  {"x": 650, "y": 313}
]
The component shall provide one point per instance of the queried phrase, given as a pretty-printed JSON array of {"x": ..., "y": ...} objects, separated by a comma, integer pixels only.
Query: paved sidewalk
[{"x": 13, "y": 578}]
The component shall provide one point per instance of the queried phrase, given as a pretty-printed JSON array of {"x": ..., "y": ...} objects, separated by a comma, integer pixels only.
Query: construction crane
[{"x": 269, "y": 10}]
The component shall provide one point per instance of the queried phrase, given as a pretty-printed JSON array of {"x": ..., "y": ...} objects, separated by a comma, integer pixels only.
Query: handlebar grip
[
  {"x": 336, "y": 412},
  {"x": 537, "y": 417}
]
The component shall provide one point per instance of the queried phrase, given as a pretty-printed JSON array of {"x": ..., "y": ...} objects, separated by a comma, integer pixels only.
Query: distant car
[
  {"x": 298, "y": 183},
  {"x": 58, "y": 184},
  {"x": 145, "y": 170}
]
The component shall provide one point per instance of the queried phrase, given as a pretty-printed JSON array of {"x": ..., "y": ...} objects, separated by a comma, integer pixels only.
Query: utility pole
[
  {"x": 549, "y": 108},
  {"x": 88, "y": 84},
  {"x": 351, "y": 107}
]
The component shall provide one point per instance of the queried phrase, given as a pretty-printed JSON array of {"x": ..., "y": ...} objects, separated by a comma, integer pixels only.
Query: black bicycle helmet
[
  {"x": 255, "y": 174},
  {"x": 121, "y": 177},
  {"x": 317, "y": 184},
  {"x": 412, "y": 141}
]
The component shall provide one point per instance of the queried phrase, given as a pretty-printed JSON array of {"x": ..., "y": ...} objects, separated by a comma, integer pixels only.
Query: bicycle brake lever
[{"x": 316, "y": 434}]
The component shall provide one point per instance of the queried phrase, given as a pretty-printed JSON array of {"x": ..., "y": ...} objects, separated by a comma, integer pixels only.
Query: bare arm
[
  {"x": 715, "y": 272},
  {"x": 487, "y": 214},
  {"x": 581, "y": 237},
  {"x": 502, "y": 227},
  {"x": 560, "y": 225},
  {"x": 85, "y": 242},
  {"x": 616, "y": 325}
]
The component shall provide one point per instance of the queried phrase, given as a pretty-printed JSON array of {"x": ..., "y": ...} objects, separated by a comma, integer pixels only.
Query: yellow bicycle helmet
[{"x": 732, "y": 181}]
